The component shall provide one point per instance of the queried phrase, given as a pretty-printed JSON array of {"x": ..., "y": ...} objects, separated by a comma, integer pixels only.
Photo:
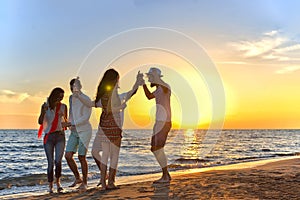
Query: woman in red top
[{"x": 52, "y": 118}]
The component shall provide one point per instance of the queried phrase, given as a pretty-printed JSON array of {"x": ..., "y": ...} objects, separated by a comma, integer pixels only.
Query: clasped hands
[{"x": 139, "y": 79}]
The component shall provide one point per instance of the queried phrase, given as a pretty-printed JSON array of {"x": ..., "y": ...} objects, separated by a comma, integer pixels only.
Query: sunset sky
[{"x": 244, "y": 55}]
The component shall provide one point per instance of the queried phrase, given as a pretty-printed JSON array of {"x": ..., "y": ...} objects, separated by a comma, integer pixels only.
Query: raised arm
[
  {"x": 148, "y": 94},
  {"x": 132, "y": 92},
  {"x": 86, "y": 101},
  {"x": 139, "y": 81},
  {"x": 42, "y": 114}
]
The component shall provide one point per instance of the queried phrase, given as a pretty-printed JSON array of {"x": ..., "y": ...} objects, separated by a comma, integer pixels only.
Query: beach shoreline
[{"x": 231, "y": 181}]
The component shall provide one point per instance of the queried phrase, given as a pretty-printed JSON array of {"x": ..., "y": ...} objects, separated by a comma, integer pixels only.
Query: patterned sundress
[{"x": 110, "y": 122}]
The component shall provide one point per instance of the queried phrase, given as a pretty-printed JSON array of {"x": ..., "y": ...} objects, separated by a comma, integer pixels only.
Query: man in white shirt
[
  {"x": 81, "y": 132},
  {"x": 163, "y": 122}
]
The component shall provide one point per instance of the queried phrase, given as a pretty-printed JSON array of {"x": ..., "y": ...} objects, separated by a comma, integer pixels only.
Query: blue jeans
[{"x": 56, "y": 142}]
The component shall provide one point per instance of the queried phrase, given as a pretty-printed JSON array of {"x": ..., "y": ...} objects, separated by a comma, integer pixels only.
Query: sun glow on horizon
[{"x": 190, "y": 100}]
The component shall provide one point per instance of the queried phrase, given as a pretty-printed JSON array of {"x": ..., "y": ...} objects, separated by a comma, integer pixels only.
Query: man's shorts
[
  {"x": 160, "y": 133},
  {"x": 79, "y": 142}
]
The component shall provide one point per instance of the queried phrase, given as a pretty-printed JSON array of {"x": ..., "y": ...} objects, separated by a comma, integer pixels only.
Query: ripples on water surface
[{"x": 23, "y": 161}]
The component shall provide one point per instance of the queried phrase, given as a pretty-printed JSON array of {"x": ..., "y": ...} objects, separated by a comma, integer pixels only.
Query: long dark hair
[
  {"x": 107, "y": 83},
  {"x": 54, "y": 96}
]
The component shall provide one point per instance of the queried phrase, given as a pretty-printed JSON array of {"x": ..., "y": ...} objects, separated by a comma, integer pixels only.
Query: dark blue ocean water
[{"x": 23, "y": 163}]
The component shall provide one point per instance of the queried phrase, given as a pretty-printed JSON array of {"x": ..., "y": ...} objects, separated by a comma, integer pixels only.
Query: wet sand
[{"x": 270, "y": 179}]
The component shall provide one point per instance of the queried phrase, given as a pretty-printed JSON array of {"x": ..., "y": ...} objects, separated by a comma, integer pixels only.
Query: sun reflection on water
[{"x": 192, "y": 143}]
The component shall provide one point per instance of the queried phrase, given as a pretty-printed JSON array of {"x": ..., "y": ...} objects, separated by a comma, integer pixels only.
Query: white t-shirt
[
  {"x": 49, "y": 117},
  {"x": 163, "y": 108},
  {"x": 79, "y": 114}
]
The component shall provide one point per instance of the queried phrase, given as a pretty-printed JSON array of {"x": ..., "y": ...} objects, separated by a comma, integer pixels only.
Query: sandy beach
[{"x": 268, "y": 179}]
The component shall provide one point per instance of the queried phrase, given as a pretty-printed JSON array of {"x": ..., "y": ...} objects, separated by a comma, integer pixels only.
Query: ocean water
[{"x": 23, "y": 162}]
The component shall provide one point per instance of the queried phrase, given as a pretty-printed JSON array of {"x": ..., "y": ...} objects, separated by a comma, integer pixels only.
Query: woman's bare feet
[
  {"x": 103, "y": 183},
  {"x": 51, "y": 187},
  {"x": 58, "y": 185},
  {"x": 103, "y": 188},
  {"x": 82, "y": 186},
  {"x": 106, "y": 177},
  {"x": 112, "y": 187},
  {"x": 77, "y": 181}
]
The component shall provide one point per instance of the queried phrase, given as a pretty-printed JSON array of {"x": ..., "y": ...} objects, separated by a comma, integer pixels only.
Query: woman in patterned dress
[{"x": 109, "y": 134}]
